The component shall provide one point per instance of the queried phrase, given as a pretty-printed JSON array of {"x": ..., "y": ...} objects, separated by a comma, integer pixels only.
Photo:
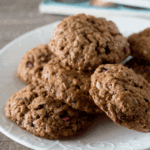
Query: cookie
[
  {"x": 140, "y": 67},
  {"x": 123, "y": 95},
  {"x": 84, "y": 42},
  {"x": 69, "y": 86},
  {"x": 34, "y": 110},
  {"x": 145, "y": 32},
  {"x": 140, "y": 45},
  {"x": 31, "y": 65}
]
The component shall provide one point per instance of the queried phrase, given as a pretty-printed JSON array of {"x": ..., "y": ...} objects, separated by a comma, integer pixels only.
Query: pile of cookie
[{"x": 78, "y": 75}]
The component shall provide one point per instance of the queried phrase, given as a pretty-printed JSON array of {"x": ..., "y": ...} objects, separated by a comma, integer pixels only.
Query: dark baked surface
[
  {"x": 69, "y": 86},
  {"x": 140, "y": 67},
  {"x": 31, "y": 65},
  {"x": 123, "y": 95},
  {"x": 140, "y": 45},
  {"x": 84, "y": 42},
  {"x": 35, "y": 111}
]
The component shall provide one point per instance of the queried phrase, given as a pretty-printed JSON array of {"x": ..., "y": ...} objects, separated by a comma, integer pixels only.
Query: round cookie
[
  {"x": 84, "y": 42},
  {"x": 31, "y": 65},
  {"x": 123, "y": 95},
  {"x": 69, "y": 86},
  {"x": 140, "y": 44},
  {"x": 140, "y": 47},
  {"x": 145, "y": 32},
  {"x": 140, "y": 67},
  {"x": 34, "y": 110}
]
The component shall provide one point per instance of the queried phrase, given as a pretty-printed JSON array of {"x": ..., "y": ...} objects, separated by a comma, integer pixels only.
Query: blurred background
[
  {"x": 98, "y": 8},
  {"x": 20, "y": 16}
]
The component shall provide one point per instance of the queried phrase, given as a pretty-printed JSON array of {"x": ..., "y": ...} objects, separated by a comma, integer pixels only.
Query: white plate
[{"x": 104, "y": 135}]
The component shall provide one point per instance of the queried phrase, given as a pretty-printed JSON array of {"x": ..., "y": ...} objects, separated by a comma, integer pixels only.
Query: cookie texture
[
  {"x": 35, "y": 111},
  {"x": 140, "y": 45},
  {"x": 140, "y": 67},
  {"x": 31, "y": 65},
  {"x": 69, "y": 86},
  {"x": 123, "y": 95},
  {"x": 84, "y": 42}
]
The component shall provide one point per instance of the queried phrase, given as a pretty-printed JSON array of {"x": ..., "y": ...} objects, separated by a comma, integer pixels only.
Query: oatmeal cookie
[
  {"x": 140, "y": 45},
  {"x": 34, "y": 110},
  {"x": 69, "y": 86},
  {"x": 84, "y": 42},
  {"x": 123, "y": 95},
  {"x": 140, "y": 67},
  {"x": 145, "y": 32},
  {"x": 31, "y": 65}
]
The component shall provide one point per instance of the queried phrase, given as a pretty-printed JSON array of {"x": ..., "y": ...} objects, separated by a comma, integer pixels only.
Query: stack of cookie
[{"x": 76, "y": 76}]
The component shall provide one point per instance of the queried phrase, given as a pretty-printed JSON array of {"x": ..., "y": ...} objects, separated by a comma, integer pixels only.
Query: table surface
[{"x": 16, "y": 18}]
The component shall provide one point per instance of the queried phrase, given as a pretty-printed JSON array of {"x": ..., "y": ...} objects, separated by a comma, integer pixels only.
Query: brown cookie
[
  {"x": 84, "y": 42},
  {"x": 31, "y": 65},
  {"x": 123, "y": 95},
  {"x": 140, "y": 67},
  {"x": 145, "y": 32},
  {"x": 34, "y": 110},
  {"x": 140, "y": 44},
  {"x": 69, "y": 86}
]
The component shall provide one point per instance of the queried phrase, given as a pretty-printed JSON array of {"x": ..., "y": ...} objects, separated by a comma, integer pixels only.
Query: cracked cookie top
[
  {"x": 123, "y": 95},
  {"x": 69, "y": 86},
  {"x": 31, "y": 65},
  {"x": 84, "y": 42},
  {"x": 34, "y": 110}
]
